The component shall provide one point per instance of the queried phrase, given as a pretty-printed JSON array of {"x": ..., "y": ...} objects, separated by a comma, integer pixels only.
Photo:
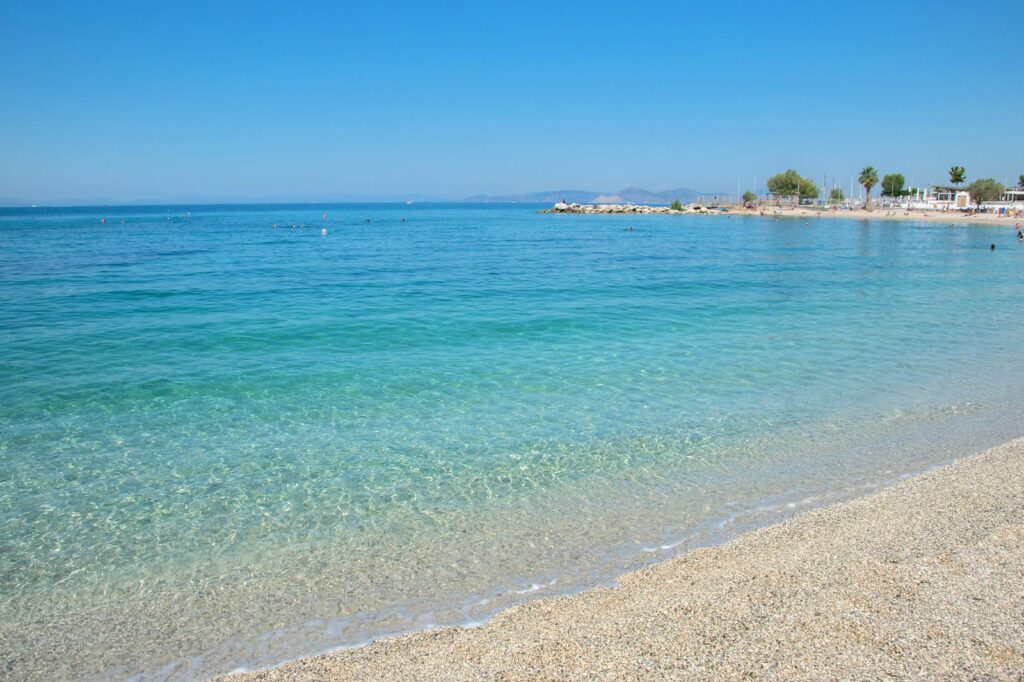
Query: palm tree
[
  {"x": 868, "y": 179},
  {"x": 1020, "y": 180},
  {"x": 957, "y": 174}
]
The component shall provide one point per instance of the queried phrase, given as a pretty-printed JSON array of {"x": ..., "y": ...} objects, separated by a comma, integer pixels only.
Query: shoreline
[
  {"x": 901, "y": 215},
  {"x": 924, "y": 577},
  {"x": 948, "y": 218}
]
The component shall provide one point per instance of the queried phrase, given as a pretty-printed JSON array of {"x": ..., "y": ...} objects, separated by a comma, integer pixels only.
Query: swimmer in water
[
  {"x": 323, "y": 232},
  {"x": 992, "y": 248}
]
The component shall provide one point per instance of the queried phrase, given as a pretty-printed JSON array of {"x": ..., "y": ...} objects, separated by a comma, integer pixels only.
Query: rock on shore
[{"x": 562, "y": 207}]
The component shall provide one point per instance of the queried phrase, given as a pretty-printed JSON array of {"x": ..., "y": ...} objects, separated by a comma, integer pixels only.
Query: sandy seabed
[{"x": 922, "y": 580}]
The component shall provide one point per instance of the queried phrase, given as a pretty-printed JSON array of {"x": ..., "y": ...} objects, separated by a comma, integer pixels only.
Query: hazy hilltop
[{"x": 632, "y": 195}]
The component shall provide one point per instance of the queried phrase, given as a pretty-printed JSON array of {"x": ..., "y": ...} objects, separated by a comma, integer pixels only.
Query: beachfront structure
[
  {"x": 954, "y": 199},
  {"x": 773, "y": 199},
  {"x": 1013, "y": 198},
  {"x": 937, "y": 199},
  {"x": 1010, "y": 202}
]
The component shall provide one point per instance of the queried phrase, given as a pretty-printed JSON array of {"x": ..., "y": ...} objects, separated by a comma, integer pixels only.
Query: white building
[
  {"x": 1013, "y": 198},
  {"x": 938, "y": 199},
  {"x": 954, "y": 199}
]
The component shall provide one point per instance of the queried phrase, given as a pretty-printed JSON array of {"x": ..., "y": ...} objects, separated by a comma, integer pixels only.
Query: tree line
[{"x": 791, "y": 184}]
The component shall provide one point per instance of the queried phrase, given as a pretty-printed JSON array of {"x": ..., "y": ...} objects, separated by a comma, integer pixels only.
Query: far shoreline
[{"x": 900, "y": 215}]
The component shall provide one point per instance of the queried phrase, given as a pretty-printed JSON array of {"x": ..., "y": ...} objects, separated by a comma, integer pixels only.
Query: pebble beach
[{"x": 924, "y": 580}]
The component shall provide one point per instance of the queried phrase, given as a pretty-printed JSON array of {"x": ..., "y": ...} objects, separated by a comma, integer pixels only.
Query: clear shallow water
[{"x": 224, "y": 445}]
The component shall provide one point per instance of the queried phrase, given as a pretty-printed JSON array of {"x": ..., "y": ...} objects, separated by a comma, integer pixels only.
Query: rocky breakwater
[{"x": 561, "y": 207}]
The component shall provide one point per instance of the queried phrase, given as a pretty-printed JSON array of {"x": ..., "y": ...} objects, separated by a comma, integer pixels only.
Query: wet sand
[{"x": 924, "y": 579}]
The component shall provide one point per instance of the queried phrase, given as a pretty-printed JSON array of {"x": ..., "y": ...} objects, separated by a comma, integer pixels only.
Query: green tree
[
  {"x": 749, "y": 198},
  {"x": 868, "y": 179},
  {"x": 892, "y": 185},
  {"x": 836, "y": 195},
  {"x": 676, "y": 205},
  {"x": 785, "y": 184},
  {"x": 808, "y": 190},
  {"x": 957, "y": 175},
  {"x": 985, "y": 189},
  {"x": 789, "y": 184},
  {"x": 1020, "y": 180}
]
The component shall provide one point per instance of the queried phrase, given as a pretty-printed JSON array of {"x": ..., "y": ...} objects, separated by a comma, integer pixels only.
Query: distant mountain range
[{"x": 631, "y": 195}]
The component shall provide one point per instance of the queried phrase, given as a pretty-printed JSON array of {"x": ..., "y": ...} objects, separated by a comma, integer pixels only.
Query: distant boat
[{"x": 408, "y": 203}]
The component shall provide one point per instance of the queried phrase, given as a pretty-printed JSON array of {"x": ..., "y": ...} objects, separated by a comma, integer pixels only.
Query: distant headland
[{"x": 630, "y": 195}]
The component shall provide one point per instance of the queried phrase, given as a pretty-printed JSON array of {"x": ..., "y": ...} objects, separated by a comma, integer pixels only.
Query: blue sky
[{"x": 119, "y": 101}]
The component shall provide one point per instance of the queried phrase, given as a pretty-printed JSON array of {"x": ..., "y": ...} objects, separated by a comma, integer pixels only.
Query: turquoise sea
[{"x": 225, "y": 444}]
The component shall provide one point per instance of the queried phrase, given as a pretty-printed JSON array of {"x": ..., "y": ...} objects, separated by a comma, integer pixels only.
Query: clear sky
[{"x": 121, "y": 101}]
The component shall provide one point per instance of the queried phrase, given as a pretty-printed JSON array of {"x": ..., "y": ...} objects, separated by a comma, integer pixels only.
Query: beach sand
[
  {"x": 924, "y": 579},
  {"x": 1009, "y": 221},
  {"x": 945, "y": 218}
]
